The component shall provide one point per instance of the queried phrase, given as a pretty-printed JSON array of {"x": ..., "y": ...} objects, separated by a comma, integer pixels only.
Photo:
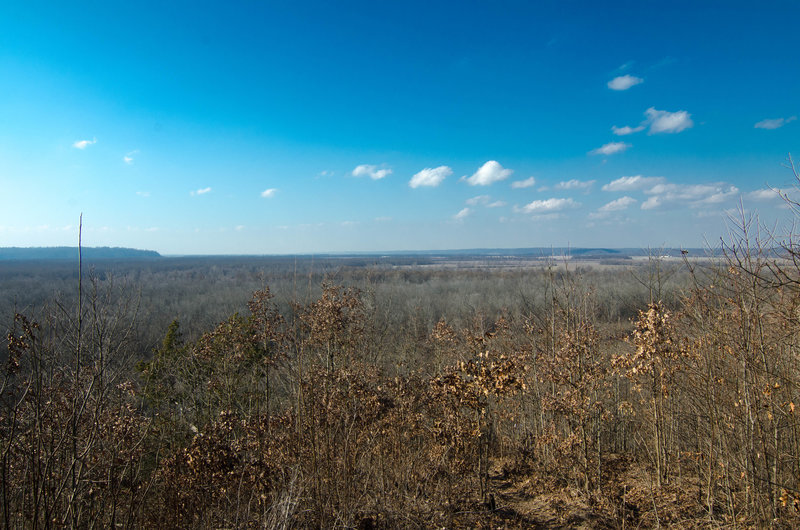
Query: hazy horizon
[{"x": 113, "y": 253}]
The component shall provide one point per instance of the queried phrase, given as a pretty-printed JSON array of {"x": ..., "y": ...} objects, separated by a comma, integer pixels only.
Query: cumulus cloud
[
  {"x": 636, "y": 182},
  {"x": 549, "y": 206},
  {"x": 692, "y": 195},
  {"x": 652, "y": 203},
  {"x": 718, "y": 196},
  {"x": 527, "y": 183},
  {"x": 610, "y": 148},
  {"x": 489, "y": 173},
  {"x": 430, "y": 176},
  {"x": 624, "y": 82},
  {"x": 462, "y": 214},
  {"x": 658, "y": 121},
  {"x": 618, "y": 204},
  {"x": 201, "y": 191},
  {"x": 776, "y": 123},
  {"x": 269, "y": 193},
  {"x": 624, "y": 131},
  {"x": 662, "y": 121},
  {"x": 767, "y": 194},
  {"x": 614, "y": 206},
  {"x": 83, "y": 144},
  {"x": 373, "y": 172},
  {"x": 575, "y": 184},
  {"x": 496, "y": 204}
]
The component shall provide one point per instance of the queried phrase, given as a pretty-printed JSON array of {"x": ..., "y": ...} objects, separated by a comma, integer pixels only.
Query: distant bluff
[{"x": 71, "y": 253}]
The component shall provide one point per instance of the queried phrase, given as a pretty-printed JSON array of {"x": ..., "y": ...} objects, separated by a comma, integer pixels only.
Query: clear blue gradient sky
[{"x": 302, "y": 127}]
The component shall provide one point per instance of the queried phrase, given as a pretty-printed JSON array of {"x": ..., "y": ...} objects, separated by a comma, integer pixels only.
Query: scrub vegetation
[{"x": 364, "y": 395}]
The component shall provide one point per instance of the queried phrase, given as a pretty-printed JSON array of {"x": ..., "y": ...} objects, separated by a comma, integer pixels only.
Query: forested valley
[{"x": 385, "y": 393}]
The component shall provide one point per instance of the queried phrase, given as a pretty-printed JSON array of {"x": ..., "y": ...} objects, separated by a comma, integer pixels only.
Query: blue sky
[{"x": 303, "y": 127}]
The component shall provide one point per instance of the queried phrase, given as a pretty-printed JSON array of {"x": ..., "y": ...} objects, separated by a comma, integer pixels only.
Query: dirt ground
[{"x": 626, "y": 500}]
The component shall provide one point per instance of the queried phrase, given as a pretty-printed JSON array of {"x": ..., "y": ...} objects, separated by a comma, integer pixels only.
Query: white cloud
[
  {"x": 480, "y": 199},
  {"x": 462, "y": 214},
  {"x": 382, "y": 219},
  {"x": 692, "y": 195},
  {"x": 635, "y": 182},
  {"x": 767, "y": 194},
  {"x": 624, "y": 82},
  {"x": 549, "y": 206},
  {"x": 367, "y": 170},
  {"x": 610, "y": 148},
  {"x": 527, "y": 183},
  {"x": 775, "y": 123},
  {"x": 618, "y": 204},
  {"x": 143, "y": 193},
  {"x": 201, "y": 191},
  {"x": 623, "y": 131},
  {"x": 575, "y": 184},
  {"x": 652, "y": 203},
  {"x": 483, "y": 200},
  {"x": 83, "y": 144},
  {"x": 128, "y": 159},
  {"x": 683, "y": 191},
  {"x": 489, "y": 173},
  {"x": 659, "y": 121},
  {"x": 326, "y": 173},
  {"x": 718, "y": 196},
  {"x": 269, "y": 193},
  {"x": 662, "y": 121},
  {"x": 430, "y": 176},
  {"x": 239, "y": 228},
  {"x": 614, "y": 206}
]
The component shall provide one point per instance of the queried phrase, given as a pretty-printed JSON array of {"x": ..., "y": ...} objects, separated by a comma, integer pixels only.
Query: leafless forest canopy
[{"x": 404, "y": 392}]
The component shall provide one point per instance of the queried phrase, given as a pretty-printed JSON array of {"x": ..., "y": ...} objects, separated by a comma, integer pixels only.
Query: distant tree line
[{"x": 71, "y": 253}]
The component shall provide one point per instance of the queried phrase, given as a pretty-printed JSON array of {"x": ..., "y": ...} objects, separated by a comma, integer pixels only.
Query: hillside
[{"x": 71, "y": 253}]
